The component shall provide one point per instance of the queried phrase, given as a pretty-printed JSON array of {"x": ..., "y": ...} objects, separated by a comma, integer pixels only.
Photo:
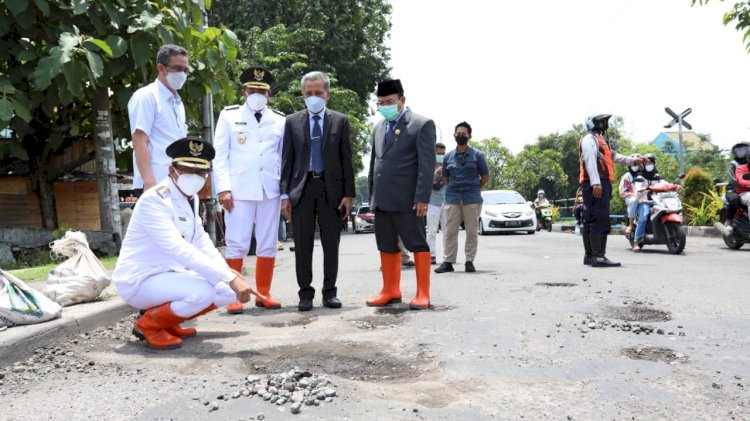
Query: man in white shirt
[
  {"x": 157, "y": 117},
  {"x": 168, "y": 266}
]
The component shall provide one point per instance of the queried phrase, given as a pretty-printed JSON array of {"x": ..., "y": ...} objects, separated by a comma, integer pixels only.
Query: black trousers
[
  {"x": 391, "y": 225},
  {"x": 596, "y": 218},
  {"x": 312, "y": 207}
]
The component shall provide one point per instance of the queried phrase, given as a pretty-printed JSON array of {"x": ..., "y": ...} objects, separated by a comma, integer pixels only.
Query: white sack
[{"x": 79, "y": 279}]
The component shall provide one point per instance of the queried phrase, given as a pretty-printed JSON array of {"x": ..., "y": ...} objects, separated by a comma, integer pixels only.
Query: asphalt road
[{"x": 533, "y": 334}]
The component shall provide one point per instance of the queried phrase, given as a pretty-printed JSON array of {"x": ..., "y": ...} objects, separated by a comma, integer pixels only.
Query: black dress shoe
[
  {"x": 332, "y": 302},
  {"x": 305, "y": 304},
  {"x": 469, "y": 267},
  {"x": 444, "y": 267}
]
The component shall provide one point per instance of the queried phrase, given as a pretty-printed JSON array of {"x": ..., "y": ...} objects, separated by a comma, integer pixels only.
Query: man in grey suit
[
  {"x": 402, "y": 162},
  {"x": 317, "y": 179}
]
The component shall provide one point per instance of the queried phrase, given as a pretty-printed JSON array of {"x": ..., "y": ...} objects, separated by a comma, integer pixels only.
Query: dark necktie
[
  {"x": 315, "y": 142},
  {"x": 258, "y": 115},
  {"x": 389, "y": 137}
]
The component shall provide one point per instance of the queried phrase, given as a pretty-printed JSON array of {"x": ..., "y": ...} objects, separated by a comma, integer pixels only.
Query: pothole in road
[
  {"x": 394, "y": 311},
  {"x": 556, "y": 284},
  {"x": 637, "y": 313},
  {"x": 655, "y": 354},
  {"x": 375, "y": 322},
  {"x": 356, "y": 361},
  {"x": 298, "y": 321}
]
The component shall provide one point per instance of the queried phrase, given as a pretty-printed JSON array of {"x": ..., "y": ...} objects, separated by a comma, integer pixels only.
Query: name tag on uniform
[
  {"x": 182, "y": 218},
  {"x": 240, "y": 123}
]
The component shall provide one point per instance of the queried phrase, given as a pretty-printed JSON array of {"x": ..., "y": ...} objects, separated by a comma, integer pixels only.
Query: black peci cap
[{"x": 390, "y": 87}]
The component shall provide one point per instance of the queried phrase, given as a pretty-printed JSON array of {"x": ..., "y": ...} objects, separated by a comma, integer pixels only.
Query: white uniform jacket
[
  {"x": 166, "y": 235},
  {"x": 248, "y": 153}
]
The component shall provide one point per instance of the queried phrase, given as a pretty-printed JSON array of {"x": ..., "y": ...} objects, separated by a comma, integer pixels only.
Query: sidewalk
[
  {"x": 689, "y": 230},
  {"x": 19, "y": 342}
]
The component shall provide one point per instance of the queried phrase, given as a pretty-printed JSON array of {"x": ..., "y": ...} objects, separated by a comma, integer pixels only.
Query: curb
[
  {"x": 690, "y": 231},
  {"x": 19, "y": 342}
]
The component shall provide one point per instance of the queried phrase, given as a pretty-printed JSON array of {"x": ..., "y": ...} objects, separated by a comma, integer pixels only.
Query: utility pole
[
  {"x": 679, "y": 119},
  {"x": 207, "y": 121},
  {"x": 106, "y": 167}
]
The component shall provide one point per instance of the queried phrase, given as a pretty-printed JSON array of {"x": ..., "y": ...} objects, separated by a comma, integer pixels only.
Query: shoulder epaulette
[
  {"x": 163, "y": 191},
  {"x": 231, "y": 107},
  {"x": 279, "y": 113}
]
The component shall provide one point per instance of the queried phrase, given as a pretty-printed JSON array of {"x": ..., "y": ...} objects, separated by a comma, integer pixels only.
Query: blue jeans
[{"x": 644, "y": 212}]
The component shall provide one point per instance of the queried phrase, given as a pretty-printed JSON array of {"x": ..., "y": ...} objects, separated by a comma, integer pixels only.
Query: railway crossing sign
[{"x": 679, "y": 120}]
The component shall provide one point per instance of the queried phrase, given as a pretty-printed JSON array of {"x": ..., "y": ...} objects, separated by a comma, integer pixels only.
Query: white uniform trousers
[
  {"x": 435, "y": 215},
  {"x": 188, "y": 293},
  {"x": 239, "y": 227}
]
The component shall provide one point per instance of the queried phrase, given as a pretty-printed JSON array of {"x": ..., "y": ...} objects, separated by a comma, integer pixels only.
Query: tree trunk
[
  {"x": 106, "y": 168},
  {"x": 40, "y": 157}
]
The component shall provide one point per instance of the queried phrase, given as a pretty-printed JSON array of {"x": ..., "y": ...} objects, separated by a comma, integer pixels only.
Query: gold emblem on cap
[
  {"x": 196, "y": 148},
  {"x": 241, "y": 138},
  {"x": 259, "y": 74}
]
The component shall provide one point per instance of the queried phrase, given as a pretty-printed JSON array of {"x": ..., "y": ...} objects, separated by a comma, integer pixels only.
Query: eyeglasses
[{"x": 179, "y": 68}]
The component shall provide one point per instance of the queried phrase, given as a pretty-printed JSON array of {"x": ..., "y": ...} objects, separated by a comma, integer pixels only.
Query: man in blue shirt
[{"x": 465, "y": 172}]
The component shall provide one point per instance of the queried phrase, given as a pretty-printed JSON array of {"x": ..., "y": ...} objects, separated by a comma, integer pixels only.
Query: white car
[{"x": 505, "y": 211}]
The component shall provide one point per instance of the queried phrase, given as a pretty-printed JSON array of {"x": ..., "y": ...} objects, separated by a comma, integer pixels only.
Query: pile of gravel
[{"x": 296, "y": 387}]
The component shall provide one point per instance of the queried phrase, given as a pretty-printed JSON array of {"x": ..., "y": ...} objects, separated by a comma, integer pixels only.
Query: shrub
[
  {"x": 708, "y": 211},
  {"x": 697, "y": 184}
]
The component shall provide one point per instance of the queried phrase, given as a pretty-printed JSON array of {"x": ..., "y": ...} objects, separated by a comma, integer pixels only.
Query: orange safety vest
[{"x": 603, "y": 161}]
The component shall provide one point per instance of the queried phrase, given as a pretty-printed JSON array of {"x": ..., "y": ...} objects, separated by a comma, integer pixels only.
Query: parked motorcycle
[{"x": 665, "y": 225}]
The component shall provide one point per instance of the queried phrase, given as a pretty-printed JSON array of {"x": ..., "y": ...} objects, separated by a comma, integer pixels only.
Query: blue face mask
[
  {"x": 315, "y": 104},
  {"x": 389, "y": 112},
  {"x": 439, "y": 159}
]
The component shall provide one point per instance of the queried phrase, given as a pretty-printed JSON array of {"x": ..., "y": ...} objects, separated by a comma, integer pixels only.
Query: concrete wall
[{"x": 15, "y": 240}]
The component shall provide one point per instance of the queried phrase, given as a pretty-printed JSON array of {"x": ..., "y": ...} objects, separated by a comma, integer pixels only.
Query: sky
[{"x": 518, "y": 70}]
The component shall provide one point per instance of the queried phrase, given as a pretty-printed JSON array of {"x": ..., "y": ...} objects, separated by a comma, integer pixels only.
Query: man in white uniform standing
[
  {"x": 168, "y": 265},
  {"x": 157, "y": 118},
  {"x": 247, "y": 170}
]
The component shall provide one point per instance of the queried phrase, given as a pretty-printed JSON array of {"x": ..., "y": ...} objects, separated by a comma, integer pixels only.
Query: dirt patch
[
  {"x": 351, "y": 360},
  {"x": 637, "y": 313},
  {"x": 442, "y": 308},
  {"x": 655, "y": 354},
  {"x": 297, "y": 321},
  {"x": 375, "y": 322},
  {"x": 556, "y": 284}
]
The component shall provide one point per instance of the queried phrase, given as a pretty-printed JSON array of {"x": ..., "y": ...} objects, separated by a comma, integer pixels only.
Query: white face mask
[
  {"x": 176, "y": 80},
  {"x": 315, "y": 104},
  {"x": 256, "y": 101},
  {"x": 649, "y": 167},
  {"x": 190, "y": 184}
]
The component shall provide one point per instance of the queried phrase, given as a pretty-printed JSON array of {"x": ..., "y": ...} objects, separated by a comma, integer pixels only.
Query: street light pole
[{"x": 207, "y": 121}]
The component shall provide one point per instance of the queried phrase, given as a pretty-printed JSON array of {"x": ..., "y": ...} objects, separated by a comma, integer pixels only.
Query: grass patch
[{"x": 39, "y": 273}]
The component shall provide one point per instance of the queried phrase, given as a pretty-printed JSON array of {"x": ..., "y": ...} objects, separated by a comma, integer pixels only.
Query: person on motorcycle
[
  {"x": 538, "y": 202},
  {"x": 649, "y": 177},
  {"x": 627, "y": 192},
  {"x": 740, "y": 152}
]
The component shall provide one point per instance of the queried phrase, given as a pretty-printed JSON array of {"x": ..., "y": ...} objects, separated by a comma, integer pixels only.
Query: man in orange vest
[{"x": 597, "y": 175}]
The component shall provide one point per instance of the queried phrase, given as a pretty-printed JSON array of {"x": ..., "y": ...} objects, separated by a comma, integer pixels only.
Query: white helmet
[{"x": 540, "y": 192}]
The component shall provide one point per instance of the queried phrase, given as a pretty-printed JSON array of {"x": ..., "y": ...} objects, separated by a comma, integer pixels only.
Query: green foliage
[
  {"x": 697, "y": 185},
  {"x": 707, "y": 212},
  {"x": 363, "y": 192},
  {"x": 534, "y": 168},
  {"x": 56, "y": 55},
  {"x": 60, "y": 231},
  {"x": 739, "y": 15},
  {"x": 499, "y": 160},
  {"x": 555, "y": 213}
]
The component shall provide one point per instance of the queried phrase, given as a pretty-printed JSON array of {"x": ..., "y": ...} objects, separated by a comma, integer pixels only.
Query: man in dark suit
[
  {"x": 402, "y": 163},
  {"x": 317, "y": 179}
]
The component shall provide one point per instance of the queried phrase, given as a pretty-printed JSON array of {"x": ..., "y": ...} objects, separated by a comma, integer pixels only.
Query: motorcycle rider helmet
[
  {"x": 650, "y": 167},
  {"x": 540, "y": 193},
  {"x": 741, "y": 152},
  {"x": 598, "y": 123},
  {"x": 635, "y": 168}
]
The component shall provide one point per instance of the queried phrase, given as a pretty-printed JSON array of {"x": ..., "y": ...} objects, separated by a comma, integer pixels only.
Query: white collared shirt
[{"x": 159, "y": 113}]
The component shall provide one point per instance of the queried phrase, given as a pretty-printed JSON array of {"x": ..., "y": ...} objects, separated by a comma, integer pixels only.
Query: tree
[
  {"x": 740, "y": 15},
  {"x": 535, "y": 168},
  {"x": 292, "y": 37},
  {"x": 55, "y": 57},
  {"x": 499, "y": 160}
]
